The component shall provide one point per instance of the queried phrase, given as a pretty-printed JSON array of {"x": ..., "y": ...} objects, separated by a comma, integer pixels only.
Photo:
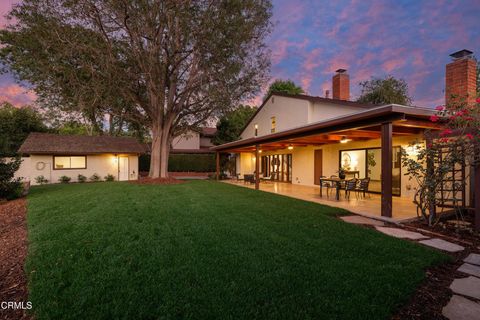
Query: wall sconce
[
  {"x": 115, "y": 159},
  {"x": 412, "y": 150}
]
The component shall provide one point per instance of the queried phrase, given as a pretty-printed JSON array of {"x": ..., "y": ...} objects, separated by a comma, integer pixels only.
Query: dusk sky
[{"x": 311, "y": 39}]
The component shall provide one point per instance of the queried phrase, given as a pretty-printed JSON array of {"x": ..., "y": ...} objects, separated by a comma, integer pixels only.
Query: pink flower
[
  {"x": 434, "y": 118},
  {"x": 478, "y": 100},
  {"x": 469, "y": 136},
  {"x": 439, "y": 108},
  {"x": 446, "y": 132}
]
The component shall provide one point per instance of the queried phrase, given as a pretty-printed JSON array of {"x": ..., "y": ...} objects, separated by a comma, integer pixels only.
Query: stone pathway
[
  {"x": 362, "y": 220},
  {"x": 465, "y": 303},
  {"x": 466, "y": 306},
  {"x": 442, "y": 245},
  {"x": 401, "y": 233}
]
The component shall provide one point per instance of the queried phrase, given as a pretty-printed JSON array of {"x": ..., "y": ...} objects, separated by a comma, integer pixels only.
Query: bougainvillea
[{"x": 455, "y": 144}]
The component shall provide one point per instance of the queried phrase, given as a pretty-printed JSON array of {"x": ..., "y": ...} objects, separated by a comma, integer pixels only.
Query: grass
[{"x": 207, "y": 250}]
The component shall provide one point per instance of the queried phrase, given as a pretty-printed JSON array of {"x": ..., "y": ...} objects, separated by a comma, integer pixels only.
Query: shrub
[
  {"x": 41, "y": 179},
  {"x": 183, "y": 163},
  {"x": 64, "y": 179},
  {"x": 95, "y": 177},
  {"x": 10, "y": 187},
  {"x": 109, "y": 177},
  {"x": 81, "y": 178}
]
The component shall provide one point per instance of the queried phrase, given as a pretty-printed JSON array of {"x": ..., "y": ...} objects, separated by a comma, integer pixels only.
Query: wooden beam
[
  {"x": 387, "y": 158},
  {"x": 257, "y": 167},
  {"x": 217, "y": 176},
  {"x": 425, "y": 124},
  {"x": 477, "y": 198}
]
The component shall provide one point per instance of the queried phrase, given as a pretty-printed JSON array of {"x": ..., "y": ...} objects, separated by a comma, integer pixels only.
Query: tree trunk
[{"x": 160, "y": 152}]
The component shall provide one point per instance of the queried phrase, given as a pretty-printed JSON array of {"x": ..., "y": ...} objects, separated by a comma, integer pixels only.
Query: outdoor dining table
[{"x": 334, "y": 180}]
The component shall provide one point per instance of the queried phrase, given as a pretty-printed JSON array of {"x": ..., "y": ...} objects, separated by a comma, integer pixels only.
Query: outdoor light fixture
[
  {"x": 259, "y": 151},
  {"x": 290, "y": 147},
  {"x": 344, "y": 140}
]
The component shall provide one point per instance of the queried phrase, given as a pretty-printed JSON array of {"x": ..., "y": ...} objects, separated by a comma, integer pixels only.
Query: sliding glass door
[
  {"x": 361, "y": 163},
  {"x": 278, "y": 166}
]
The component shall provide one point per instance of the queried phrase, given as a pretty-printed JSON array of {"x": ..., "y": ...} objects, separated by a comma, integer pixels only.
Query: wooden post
[
  {"x": 430, "y": 170},
  {"x": 477, "y": 198},
  {"x": 257, "y": 167},
  {"x": 387, "y": 158},
  {"x": 217, "y": 176}
]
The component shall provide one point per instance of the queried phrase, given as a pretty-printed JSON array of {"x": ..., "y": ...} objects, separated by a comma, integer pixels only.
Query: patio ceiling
[{"x": 406, "y": 121}]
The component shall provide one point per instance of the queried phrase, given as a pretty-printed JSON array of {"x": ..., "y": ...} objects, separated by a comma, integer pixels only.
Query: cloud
[{"x": 16, "y": 95}]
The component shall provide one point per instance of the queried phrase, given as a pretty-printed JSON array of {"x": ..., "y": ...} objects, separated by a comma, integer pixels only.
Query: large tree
[
  {"x": 230, "y": 126},
  {"x": 385, "y": 90},
  {"x": 285, "y": 86},
  {"x": 168, "y": 65},
  {"x": 15, "y": 125}
]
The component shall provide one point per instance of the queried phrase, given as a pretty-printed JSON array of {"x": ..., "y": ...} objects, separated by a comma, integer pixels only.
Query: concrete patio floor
[{"x": 403, "y": 208}]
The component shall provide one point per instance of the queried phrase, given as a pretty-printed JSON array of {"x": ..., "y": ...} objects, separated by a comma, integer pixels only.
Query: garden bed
[{"x": 13, "y": 250}]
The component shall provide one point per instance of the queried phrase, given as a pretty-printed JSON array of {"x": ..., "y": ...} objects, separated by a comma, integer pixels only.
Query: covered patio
[
  {"x": 384, "y": 129},
  {"x": 403, "y": 208}
]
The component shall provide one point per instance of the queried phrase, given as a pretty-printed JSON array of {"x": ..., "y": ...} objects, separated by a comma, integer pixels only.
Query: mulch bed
[
  {"x": 13, "y": 250},
  {"x": 146, "y": 180},
  {"x": 434, "y": 292}
]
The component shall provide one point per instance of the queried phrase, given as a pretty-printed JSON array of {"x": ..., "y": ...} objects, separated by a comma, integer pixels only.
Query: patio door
[
  {"x": 278, "y": 166},
  {"x": 123, "y": 168},
  {"x": 318, "y": 166}
]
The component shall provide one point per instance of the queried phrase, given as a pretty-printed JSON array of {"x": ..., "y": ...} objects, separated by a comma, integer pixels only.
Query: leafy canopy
[
  {"x": 16, "y": 124},
  {"x": 285, "y": 86},
  {"x": 230, "y": 126},
  {"x": 385, "y": 90}
]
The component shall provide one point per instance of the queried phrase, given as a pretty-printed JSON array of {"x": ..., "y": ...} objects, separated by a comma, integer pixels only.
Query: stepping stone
[
  {"x": 442, "y": 245},
  {"x": 362, "y": 220},
  {"x": 469, "y": 287},
  {"x": 400, "y": 233},
  {"x": 470, "y": 269},
  {"x": 473, "y": 258},
  {"x": 460, "y": 308}
]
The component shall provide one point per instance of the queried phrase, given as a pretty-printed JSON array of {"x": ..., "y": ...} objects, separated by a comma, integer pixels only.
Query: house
[
  {"x": 194, "y": 142},
  {"x": 296, "y": 139},
  {"x": 53, "y": 156}
]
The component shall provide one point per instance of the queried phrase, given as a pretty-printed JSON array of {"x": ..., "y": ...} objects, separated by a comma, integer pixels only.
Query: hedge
[{"x": 183, "y": 163}]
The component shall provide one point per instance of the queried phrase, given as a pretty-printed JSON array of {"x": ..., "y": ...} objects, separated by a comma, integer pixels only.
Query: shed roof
[{"x": 47, "y": 143}]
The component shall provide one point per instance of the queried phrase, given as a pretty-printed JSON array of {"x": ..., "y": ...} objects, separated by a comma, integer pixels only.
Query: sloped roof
[
  {"x": 46, "y": 143},
  {"x": 361, "y": 106}
]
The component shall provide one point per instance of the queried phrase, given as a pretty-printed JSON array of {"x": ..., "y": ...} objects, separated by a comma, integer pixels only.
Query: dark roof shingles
[{"x": 46, "y": 143}]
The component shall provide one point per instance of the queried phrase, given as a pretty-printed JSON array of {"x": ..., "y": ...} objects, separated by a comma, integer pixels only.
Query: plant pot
[{"x": 341, "y": 175}]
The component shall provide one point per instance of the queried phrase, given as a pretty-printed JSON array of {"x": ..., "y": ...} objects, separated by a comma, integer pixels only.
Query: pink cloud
[
  {"x": 393, "y": 64},
  {"x": 5, "y": 7},
  {"x": 16, "y": 95}
]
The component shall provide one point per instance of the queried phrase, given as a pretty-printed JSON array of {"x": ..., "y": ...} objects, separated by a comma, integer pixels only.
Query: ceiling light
[
  {"x": 344, "y": 140},
  {"x": 290, "y": 147}
]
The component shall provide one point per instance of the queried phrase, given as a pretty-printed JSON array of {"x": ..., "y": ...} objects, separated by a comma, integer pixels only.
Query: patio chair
[
  {"x": 267, "y": 179},
  {"x": 350, "y": 185},
  {"x": 326, "y": 184},
  {"x": 249, "y": 178},
  {"x": 362, "y": 186}
]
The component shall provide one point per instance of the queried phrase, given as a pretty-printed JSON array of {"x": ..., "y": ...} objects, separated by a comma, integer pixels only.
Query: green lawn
[{"x": 207, "y": 250}]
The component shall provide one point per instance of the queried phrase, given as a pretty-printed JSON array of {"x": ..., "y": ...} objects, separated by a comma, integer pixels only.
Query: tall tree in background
[
  {"x": 167, "y": 65},
  {"x": 384, "y": 91},
  {"x": 15, "y": 125},
  {"x": 230, "y": 126},
  {"x": 285, "y": 86}
]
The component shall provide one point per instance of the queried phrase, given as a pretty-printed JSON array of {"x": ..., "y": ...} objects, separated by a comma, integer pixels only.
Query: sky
[{"x": 311, "y": 39}]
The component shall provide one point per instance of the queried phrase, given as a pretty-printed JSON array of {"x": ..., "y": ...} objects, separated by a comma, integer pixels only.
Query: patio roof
[{"x": 363, "y": 125}]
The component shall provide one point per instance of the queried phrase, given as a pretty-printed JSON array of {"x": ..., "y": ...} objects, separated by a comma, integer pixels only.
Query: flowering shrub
[{"x": 455, "y": 145}]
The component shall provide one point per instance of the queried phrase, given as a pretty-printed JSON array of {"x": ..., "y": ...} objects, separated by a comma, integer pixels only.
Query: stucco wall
[
  {"x": 288, "y": 112},
  {"x": 100, "y": 164},
  {"x": 190, "y": 140}
]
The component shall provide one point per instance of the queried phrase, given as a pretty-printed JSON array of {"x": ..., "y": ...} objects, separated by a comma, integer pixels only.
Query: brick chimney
[
  {"x": 341, "y": 85},
  {"x": 460, "y": 78}
]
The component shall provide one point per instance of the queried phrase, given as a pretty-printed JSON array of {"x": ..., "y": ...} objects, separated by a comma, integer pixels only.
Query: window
[
  {"x": 274, "y": 124},
  {"x": 256, "y": 129},
  {"x": 69, "y": 162}
]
